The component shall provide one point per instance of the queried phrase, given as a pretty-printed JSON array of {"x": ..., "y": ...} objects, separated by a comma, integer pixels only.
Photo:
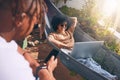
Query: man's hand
[
  {"x": 47, "y": 74},
  {"x": 52, "y": 64}
]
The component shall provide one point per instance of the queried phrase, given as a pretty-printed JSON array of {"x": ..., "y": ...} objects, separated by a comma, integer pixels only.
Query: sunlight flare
[{"x": 109, "y": 7}]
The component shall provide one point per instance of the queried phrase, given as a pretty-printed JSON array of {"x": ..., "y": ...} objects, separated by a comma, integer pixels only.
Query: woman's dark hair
[{"x": 60, "y": 19}]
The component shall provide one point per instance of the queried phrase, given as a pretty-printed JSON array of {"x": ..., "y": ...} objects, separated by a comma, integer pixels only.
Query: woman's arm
[
  {"x": 72, "y": 27},
  {"x": 70, "y": 44},
  {"x": 58, "y": 43}
]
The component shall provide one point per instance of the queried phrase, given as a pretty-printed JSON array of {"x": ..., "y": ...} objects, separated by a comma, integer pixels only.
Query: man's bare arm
[
  {"x": 33, "y": 63},
  {"x": 44, "y": 74}
]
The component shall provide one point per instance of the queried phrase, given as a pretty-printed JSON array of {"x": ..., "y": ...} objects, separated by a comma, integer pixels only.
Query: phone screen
[{"x": 54, "y": 53}]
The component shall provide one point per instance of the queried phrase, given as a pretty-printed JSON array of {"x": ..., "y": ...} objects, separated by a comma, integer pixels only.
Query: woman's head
[
  {"x": 18, "y": 15},
  {"x": 60, "y": 21}
]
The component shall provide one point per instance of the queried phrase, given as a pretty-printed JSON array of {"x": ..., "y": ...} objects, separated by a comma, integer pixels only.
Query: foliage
[
  {"x": 71, "y": 12},
  {"x": 84, "y": 14},
  {"x": 107, "y": 37},
  {"x": 89, "y": 21},
  {"x": 112, "y": 45}
]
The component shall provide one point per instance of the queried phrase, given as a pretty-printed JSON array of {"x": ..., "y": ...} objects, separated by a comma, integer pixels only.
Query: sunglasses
[{"x": 63, "y": 25}]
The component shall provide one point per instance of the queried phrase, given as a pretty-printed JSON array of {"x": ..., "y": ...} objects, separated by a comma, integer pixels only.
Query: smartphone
[{"x": 54, "y": 53}]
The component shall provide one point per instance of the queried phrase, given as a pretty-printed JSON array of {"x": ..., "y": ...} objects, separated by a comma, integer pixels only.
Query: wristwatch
[{"x": 39, "y": 68}]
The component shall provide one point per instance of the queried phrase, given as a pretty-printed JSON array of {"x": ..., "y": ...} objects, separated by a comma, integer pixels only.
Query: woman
[
  {"x": 17, "y": 18},
  {"x": 63, "y": 28}
]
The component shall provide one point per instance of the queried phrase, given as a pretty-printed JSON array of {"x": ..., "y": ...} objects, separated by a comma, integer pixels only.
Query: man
[{"x": 17, "y": 18}]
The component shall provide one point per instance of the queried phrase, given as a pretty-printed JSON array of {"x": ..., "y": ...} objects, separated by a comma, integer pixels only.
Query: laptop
[{"x": 84, "y": 49}]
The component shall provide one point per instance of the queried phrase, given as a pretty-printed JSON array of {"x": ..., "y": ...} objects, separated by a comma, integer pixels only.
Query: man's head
[{"x": 19, "y": 16}]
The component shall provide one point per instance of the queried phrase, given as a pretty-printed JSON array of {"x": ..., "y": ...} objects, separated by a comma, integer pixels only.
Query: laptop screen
[{"x": 86, "y": 49}]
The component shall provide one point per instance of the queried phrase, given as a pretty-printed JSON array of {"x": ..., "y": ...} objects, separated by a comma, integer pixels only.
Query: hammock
[{"x": 108, "y": 60}]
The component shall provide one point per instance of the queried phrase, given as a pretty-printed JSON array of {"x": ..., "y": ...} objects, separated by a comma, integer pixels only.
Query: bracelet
[
  {"x": 39, "y": 68},
  {"x": 24, "y": 53}
]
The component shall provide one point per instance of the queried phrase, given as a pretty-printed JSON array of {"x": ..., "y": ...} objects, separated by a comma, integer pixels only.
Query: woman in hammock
[{"x": 63, "y": 28}]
